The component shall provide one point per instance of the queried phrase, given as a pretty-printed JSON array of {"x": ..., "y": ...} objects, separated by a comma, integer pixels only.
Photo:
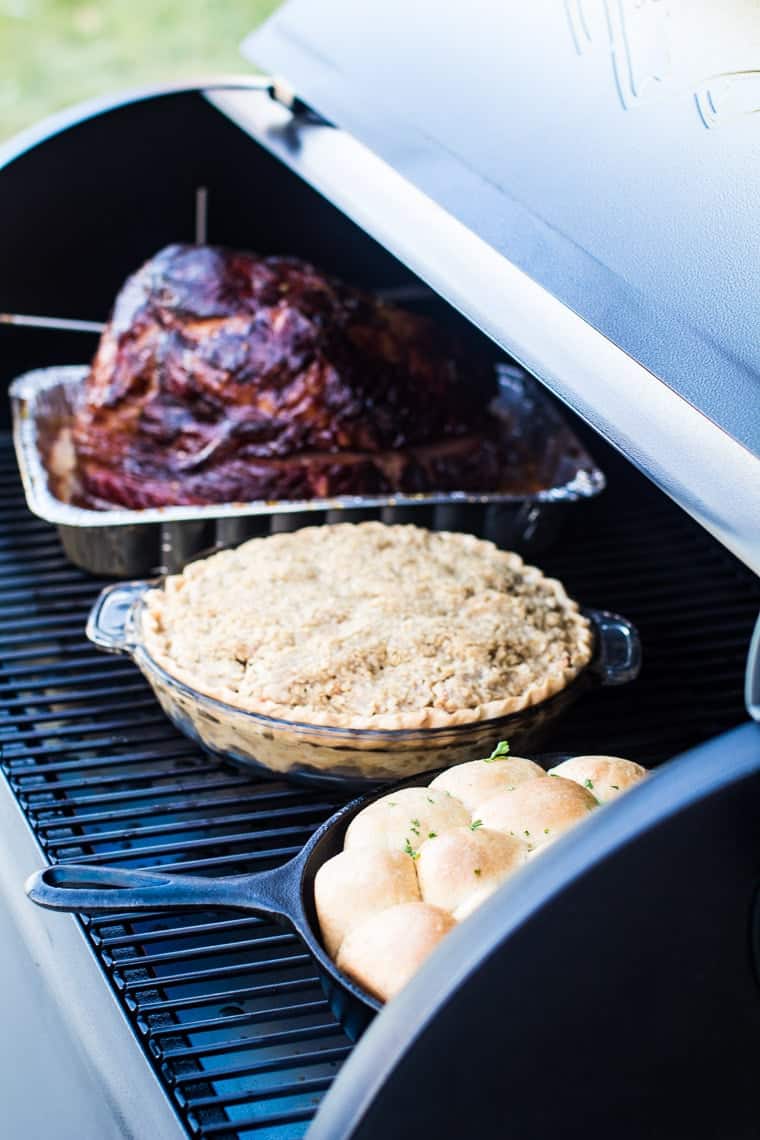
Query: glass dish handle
[
  {"x": 109, "y": 623},
  {"x": 617, "y": 659}
]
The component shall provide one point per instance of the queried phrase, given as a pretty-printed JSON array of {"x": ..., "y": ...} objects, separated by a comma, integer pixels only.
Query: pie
[{"x": 368, "y": 626}]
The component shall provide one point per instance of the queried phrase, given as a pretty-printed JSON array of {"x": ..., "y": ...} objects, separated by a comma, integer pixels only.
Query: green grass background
[{"x": 56, "y": 52}]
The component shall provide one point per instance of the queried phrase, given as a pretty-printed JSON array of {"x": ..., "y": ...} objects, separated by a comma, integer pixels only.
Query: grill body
[
  {"x": 223, "y": 1027},
  {"x": 228, "y": 1011}
]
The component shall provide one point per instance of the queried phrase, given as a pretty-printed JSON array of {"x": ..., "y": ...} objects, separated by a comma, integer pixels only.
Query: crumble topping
[{"x": 368, "y": 626}]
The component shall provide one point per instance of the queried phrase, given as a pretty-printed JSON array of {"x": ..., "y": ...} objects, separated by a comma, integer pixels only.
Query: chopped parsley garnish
[
  {"x": 414, "y": 826},
  {"x": 432, "y": 834},
  {"x": 392, "y": 803},
  {"x": 546, "y": 831},
  {"x": 410, "y": 850},
  {"x": 588, "y": 784},
  {"x": 526, "y": 831},
  {"x": 430, "y": 799},
  {"x": 501, "y": 749},
  {"x": 476, "y": 823},
  {"x": 477, "y": 871},
  {"x": 616, "y": 787}
]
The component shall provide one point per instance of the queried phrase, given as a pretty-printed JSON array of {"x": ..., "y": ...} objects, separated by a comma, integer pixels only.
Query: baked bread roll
[
  {"x": 605, "y": 776},
  {"x": 386, "y": 949},
  {"x": 419, "y": 860},
  {"x": 463, "y": 862},
  {"x": 473, "y": 901},
  {"x": 353, "y": 885},
  {"x": 403, "y": 820},
  {"x": 477, "y": 780},
  {"x": 538, "y": 810}
]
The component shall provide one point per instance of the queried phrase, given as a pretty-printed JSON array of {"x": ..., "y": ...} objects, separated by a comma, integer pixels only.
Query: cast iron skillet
[{"x": 285, "y": 894}]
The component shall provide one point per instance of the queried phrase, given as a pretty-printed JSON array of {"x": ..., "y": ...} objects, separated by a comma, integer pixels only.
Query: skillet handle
[
  {"x": 617, "y": 659},
  {"x": 100, "y": 890}
]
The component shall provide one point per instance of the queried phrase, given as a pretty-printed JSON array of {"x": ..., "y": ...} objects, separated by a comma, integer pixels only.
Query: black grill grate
[{"x": 229, "y": 1010}]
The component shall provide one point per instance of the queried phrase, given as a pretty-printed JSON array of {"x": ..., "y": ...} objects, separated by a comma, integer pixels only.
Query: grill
[
  {"x": 495, "y": 162},
  {"x": 229, "y": 1011}
]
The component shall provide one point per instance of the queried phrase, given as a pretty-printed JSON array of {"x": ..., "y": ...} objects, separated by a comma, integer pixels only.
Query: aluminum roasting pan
[{"x": 121, "y": 542}]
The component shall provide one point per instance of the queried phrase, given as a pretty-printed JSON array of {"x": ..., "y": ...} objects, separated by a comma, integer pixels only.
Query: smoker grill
[{"x": 635, "y": 947}]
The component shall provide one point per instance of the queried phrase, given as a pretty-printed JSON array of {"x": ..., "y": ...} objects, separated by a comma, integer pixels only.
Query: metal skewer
[
  {"x": 398, "y": 294},
  {"x": 414, "y": 292},
  {"x": 201, "y": 215},
  {"x": 64, "y": 324}
]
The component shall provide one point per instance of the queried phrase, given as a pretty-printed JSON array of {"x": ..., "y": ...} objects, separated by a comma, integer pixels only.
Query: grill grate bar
[
  {"x": 48, "y": 621},
  {"x": 302, "y": 1009},
  {"x": 86, "y": 713},
  {"x": 23, "y": 752},
  {"x": 264, "y": 1041},
  {"x": 177, "y": 807},
  {"x": 64, "y": 684},
  {"x": 29, "y": 581},
  {"x": 244, "y": 994},
  {"x": 51, "y": 591},
  {"x": 251, "y": 1068},
  {"x": 42, "y": 664},
  {"x": 176, "y": 750},
  {"x": 41, "y": 546},
  {"x": 204, "y": 951},
  {"x": 22, "y": 520},
  {"x": 306, "y": 1084},
  {"x": 180, "y": 827},
  {"x": 65, "y": 784},
  {"x": 221, "y": 861},
  {"x": 272, "y": 1120},
  {"x": 236, "y": 924},
  {"x": 199, "y": 844},
  {"x": 192, "y": 977},
  {"x": 68, "y": 699},
  {"x": 140, "y": 793},
  {"x": 50, "y": 646}
]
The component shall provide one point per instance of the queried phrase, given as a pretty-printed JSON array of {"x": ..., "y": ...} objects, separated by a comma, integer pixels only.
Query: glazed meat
[{"x": 223, "y": 376}]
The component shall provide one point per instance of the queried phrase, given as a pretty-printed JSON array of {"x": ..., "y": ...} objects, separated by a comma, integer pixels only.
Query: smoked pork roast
[{"x": 225, "y": 377}]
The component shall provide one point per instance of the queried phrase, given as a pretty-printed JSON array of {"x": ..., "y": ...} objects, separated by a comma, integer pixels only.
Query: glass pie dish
[{"x": 349, "y": 757}]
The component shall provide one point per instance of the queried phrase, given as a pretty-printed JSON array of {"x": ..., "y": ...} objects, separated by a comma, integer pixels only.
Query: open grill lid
[{"x": 600, "y": 155}]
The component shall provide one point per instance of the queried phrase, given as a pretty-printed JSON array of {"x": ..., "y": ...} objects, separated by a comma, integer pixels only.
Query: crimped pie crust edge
[{"x": 580, "y": 651}]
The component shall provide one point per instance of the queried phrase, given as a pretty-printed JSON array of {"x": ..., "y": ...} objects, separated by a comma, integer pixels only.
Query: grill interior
[{"x": 229, "y": 1009}]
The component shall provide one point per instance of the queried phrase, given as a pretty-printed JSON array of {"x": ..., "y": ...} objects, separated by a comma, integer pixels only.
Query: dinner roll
[
  {"x": 475, "y": 781},
  {"x": 473, "y": 901},
  {"x": 538, "y": 810},
  {"x": 604, "y": 776},
  {"x": 459, "y": 863},
  {"x": 386, "y": 949},
  {"x": 351, "y": 886},
  {"x": 404, "y": 819}
]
